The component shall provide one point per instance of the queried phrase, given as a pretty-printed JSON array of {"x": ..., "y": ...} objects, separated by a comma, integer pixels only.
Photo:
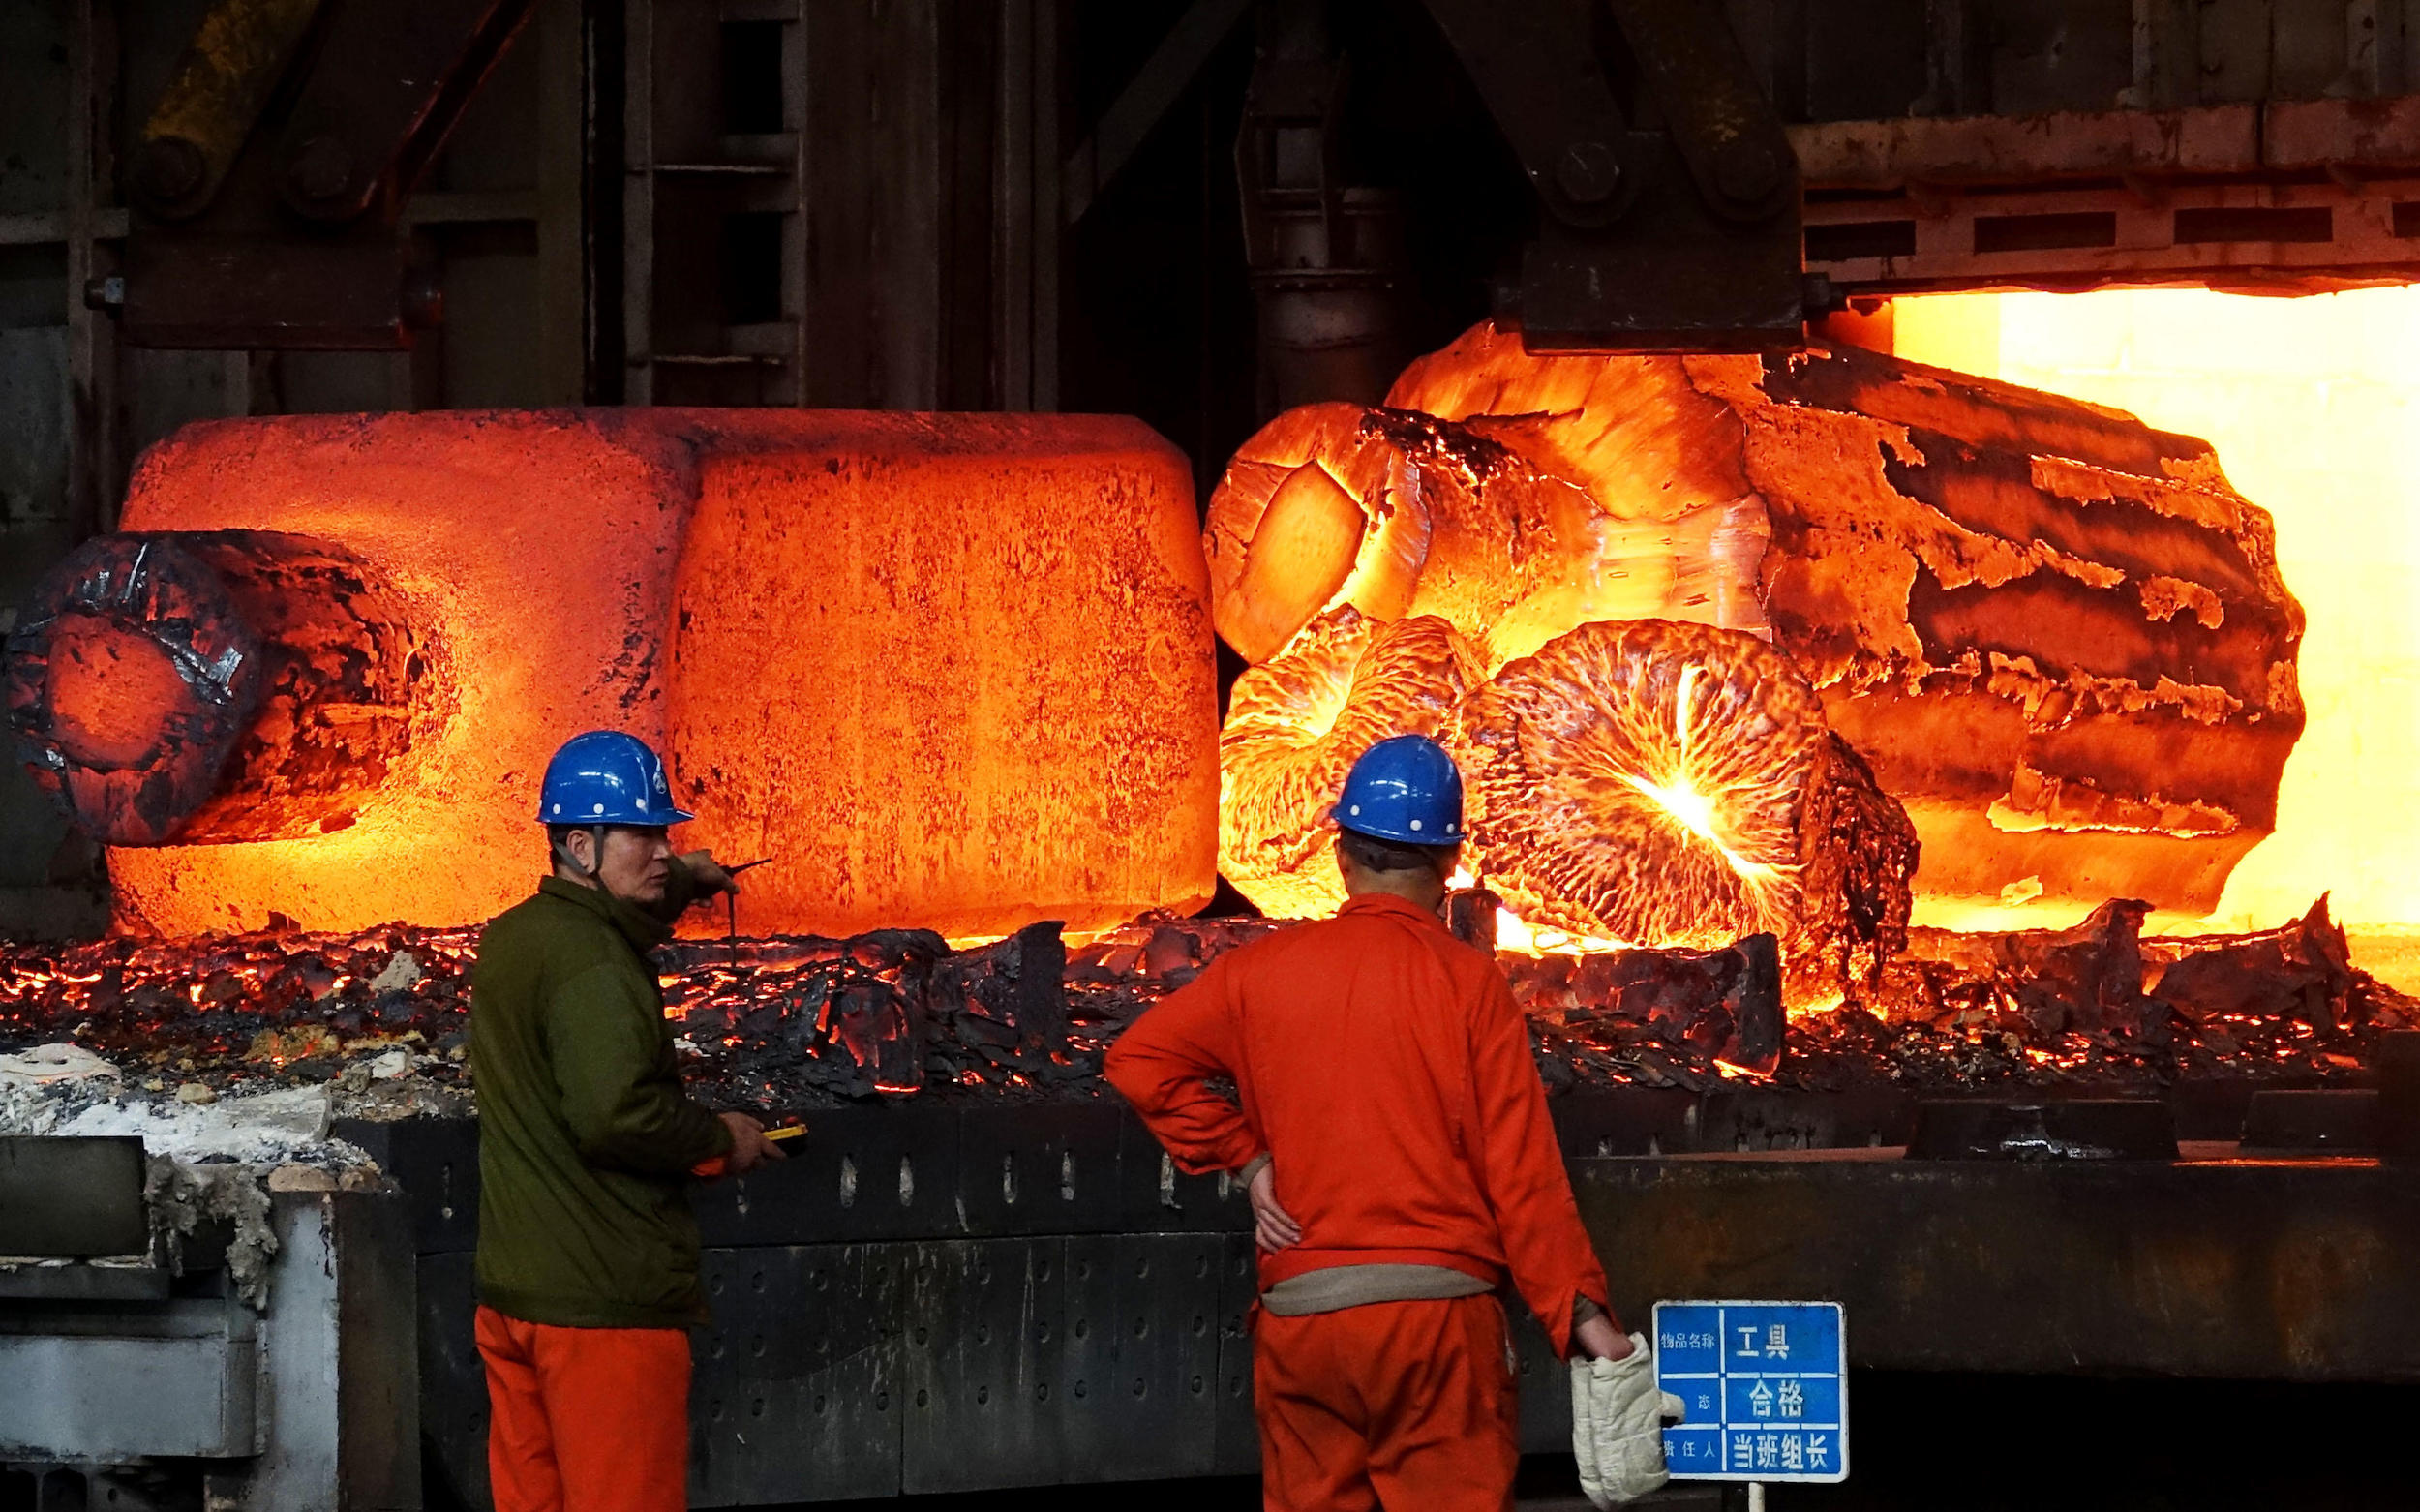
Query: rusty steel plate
[{"x": 2215, "y": 1268}]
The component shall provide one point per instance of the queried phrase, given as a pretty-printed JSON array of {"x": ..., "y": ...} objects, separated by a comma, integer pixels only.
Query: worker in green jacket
[{"x": 588, "y": 1250}]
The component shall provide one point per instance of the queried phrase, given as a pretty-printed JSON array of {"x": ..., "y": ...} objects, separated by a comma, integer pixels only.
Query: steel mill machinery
[{"x": 1009, "y": 691}]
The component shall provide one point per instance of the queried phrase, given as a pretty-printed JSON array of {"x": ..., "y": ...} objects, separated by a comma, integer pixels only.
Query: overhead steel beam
[
  {"x": 2281, "y": 194},
  {"x": 1146, "y": 99},
  {"x": 222, "y": 83},
  {"x": 296, "y": 240}
]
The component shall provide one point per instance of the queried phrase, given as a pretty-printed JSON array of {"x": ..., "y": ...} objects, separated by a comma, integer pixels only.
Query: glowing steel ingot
[
  {"x": 2059, "y": 637},
  {"x": 1448, "y": 518},
  {"x": 955, "y": 670},
  {"x": 1645, "y": 781},
  {"x": 220, "y": 686},
  {"x": 1295, "y": 726}
]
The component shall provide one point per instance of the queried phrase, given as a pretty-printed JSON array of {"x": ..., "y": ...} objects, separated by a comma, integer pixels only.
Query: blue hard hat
[
  {"x": 1404, "y": 788},
  {"x": 606, "y": 777}
]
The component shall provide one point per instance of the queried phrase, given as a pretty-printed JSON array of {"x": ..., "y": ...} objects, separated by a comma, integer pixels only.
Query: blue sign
[{"x": 1766, "y": 1388}]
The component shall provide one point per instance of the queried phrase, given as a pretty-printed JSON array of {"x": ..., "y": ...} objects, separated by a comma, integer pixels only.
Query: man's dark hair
[
  {"x": 1371, "y": 854},
  {"x": 559, "y": 837},
  {"x": 559, "y": 841}
]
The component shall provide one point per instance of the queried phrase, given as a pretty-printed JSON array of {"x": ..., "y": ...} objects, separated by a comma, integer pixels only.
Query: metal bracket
[
  {"x": 1725, "y": 129},
  {"x": 1536, "y": 68},
  {"x": 274, "y": 168},
  {"x": 387, "y": 89},
  {"x": 1325, "y": 258},
  {"x": 224, "y": 82},
  {"x": 1679, "y": 239}
]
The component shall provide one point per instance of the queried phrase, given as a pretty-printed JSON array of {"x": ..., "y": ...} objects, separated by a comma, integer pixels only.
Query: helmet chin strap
[{"x": 596, "y": 874}]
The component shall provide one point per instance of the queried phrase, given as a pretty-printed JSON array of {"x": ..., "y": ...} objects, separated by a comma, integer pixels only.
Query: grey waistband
[{"x": 1339, "y": 1286}]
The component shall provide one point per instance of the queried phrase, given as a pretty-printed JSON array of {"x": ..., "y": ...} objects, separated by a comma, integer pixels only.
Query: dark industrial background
[{"x": 1041, "y": 205}]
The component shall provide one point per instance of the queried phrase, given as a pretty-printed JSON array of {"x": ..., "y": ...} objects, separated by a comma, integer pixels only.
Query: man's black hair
[
  {"x": 1371, "y": 854},
  {"x": 558, "y": 845}
]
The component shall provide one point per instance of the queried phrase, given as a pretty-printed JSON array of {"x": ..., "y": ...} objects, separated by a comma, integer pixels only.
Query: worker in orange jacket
[{"x": 1392, "y": 1138}]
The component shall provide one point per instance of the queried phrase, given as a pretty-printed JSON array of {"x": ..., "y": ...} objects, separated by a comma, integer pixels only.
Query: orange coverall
[
  {"x": 595, "y": 1419},
  {"x": 1384, "y": 1068}
]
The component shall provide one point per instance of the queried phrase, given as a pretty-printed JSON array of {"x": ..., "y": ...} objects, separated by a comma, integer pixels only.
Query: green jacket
[{"x": 585, "y": 1138}]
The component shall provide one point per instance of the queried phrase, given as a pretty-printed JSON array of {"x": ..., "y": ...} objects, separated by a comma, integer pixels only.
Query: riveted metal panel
[
  {"x": 1029, "y": 1170},
  {"x": 1142, "y": 1355},
  {"x": 436, "y": 1161},
  {"x": 861, "y": 1173},
  {"x": 1160, "y": 1198},
  {"x": 984, "y": 1404},
  {"x": 2295, "y": 1270},
  {"x": 1764, "y": 1120},
  {"x": 1625, "y": 1120},
  {"x": 797, "y": 1391},
  {"x": 63, "y": 1195},
  {"x": 1544, "y": 1386},
  {"x": 1235, "y": 1435},
  {"x": 453, "y": 1383}
]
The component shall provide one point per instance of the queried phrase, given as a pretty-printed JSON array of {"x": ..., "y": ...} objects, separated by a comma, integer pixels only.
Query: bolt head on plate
[
  {"x": 1746, "y": 172},
  {"x": 170, "y": 170},
  {"x": 321, "y": 169},
  {"x": 1588, "y": 172}
]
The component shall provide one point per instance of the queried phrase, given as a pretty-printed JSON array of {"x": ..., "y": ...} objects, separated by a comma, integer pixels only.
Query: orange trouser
[
  {"x": 586, "y": 1419},
  {"x": 1405, "y": 1405}
]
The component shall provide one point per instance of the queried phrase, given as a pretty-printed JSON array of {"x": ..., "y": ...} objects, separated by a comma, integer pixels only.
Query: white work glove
[{"x": 1618, "y": 1425}]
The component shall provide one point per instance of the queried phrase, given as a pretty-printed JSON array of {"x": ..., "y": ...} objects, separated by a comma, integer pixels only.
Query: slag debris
[{"x": 795, "y": 1022}]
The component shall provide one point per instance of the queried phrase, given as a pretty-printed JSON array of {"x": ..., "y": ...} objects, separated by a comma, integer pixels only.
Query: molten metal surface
[{"x": 955, "y": 670}]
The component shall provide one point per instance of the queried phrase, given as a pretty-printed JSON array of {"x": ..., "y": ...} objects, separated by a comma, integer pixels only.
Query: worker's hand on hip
[
  {"x": 1599, "y": 1339},
  {"x": 749, "y": 1148},
  {"x": 1272, "y": 1225},
  {"x": 708, "y": 874}
]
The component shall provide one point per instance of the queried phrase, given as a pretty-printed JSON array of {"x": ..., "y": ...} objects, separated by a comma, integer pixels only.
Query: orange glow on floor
[{"x": 2313, "y": 405}]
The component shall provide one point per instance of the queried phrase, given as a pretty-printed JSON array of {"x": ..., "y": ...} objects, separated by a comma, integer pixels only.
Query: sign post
[{"x": 1764, "y": 1388}]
